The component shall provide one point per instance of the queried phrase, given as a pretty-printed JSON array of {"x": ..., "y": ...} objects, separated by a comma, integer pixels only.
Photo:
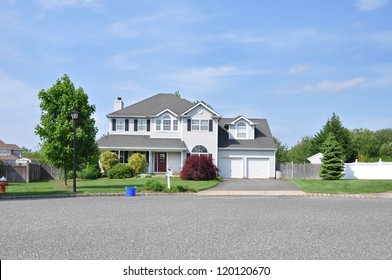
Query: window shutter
[
  {"x": 189, "y": 126},
  {"x": 210, "y": 125},
  {"x": 134, "y": 125},
  {"x": 113, "y": 124},
  {"x": 126, "y": 125},
  {"x": 148, "y": 125}
]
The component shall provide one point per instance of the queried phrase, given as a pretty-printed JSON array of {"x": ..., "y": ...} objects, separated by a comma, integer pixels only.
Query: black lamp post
[{"x": 74, "y": 116}]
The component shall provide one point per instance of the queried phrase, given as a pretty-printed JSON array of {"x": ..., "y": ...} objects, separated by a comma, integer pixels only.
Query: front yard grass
[
  {"x": 343, "y": 186},
  {"x": 103, "y": 185}
]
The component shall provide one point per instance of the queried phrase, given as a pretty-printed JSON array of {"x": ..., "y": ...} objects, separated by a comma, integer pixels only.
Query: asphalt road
[{"x": 195, "y": 227}]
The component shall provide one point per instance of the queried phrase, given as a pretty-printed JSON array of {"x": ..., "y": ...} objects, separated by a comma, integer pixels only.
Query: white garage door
[
  {"x": 258, "y": 168},
  {"x": 232, "y": 167}
]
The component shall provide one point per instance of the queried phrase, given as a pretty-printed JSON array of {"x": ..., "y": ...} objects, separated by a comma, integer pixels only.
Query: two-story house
[
  {"x": 167, "y": 129},
  {"x": 9, "y": 153}
]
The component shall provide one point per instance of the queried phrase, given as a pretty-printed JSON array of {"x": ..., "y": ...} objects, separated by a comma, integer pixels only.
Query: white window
[
  {"x": 195, "y": 124},
  {"x": 142, "y": 125},
  {"x": 120, "y": 124},
  {"x": 158, "y": 125},
  {"x": 204, "y": 125},
  {"x": 166, "y": 123},
  {"x": 241, "y": 130},
  {"x": 199, "y": 150},
  {"x": 175, "y": 125}
]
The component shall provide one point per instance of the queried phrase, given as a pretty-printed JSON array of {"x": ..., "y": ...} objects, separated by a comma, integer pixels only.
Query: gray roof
[
  {"x": 263, "y": 137},
  {"x": 113, "y": 141},
  {"x": 155, "y": 105}
]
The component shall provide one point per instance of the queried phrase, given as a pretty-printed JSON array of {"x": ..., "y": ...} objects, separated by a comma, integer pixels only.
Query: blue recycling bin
[{"x": 130, "y": 191}]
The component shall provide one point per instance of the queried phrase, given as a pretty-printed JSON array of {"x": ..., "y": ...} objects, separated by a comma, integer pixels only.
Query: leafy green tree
[
  {"x": 56, "y": 127},
  {"x": 386, "y": 151},
  {"x": 281, "y": 152},
  {"x": 301, "y": 151},
  {"x": 341, "y": 134},
  {"x": 138, "y": 163},
  {"x": 108, "y": 160},
  {"x": 332, "y": 165},
  {"x": 366, "y": 144}
]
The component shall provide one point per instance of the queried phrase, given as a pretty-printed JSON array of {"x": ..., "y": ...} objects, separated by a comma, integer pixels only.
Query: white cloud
[
  {"x": 297, "y": 69},
  {"x": 333, "y": 87},
  {"x": 60, "y": 4},
  {"x": 207, "y": 79},
  {"x": 370, "y": 5},
  {"x": 139, "y": 26}
]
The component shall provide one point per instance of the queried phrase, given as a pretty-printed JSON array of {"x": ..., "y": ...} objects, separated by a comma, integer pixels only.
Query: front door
[{"x": 160, "y": 162}]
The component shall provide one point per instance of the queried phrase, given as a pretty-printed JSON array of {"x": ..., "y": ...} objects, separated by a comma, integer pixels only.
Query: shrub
[
  {"x": 108, "y": 160},
  {"x": 175, "y": 189},
  {"x": 91, "y": 172},
  {"x": 199, "y": 168},
  {"x": 138, "y": 163},
  {"x": 153, "y": 185},
  {"x": 120, "y": 171}
]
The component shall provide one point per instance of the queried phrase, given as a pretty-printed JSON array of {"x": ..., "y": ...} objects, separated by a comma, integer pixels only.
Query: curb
[
  {"x": 10, "y": 197},
  {"x": 387, "y": 195}
]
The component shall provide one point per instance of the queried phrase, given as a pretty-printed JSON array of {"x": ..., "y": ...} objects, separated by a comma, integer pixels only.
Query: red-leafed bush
[{"x": 199, "y": 168}]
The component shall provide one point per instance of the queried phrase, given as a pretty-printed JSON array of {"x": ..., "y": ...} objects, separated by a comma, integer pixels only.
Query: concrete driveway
[{"x": 255, "y": 185}]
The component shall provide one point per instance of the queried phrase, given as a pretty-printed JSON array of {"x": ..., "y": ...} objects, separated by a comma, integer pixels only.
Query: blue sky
[{"x": 292, "y": 62}]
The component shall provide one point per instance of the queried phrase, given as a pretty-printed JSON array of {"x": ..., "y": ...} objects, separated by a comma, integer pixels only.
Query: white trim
[
  {"x": 243, "y": 118},
  {"x": 206, "y": 107},
  {"x": 167, "y": 110}
]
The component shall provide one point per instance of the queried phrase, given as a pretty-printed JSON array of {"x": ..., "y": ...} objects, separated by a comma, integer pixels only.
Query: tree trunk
[{"x": 65, "y": 176}]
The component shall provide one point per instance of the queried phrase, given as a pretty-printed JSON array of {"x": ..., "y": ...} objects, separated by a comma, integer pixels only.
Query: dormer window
[
  {"x": 166, "y": 123},
  {"x": 241, "y": 130}
]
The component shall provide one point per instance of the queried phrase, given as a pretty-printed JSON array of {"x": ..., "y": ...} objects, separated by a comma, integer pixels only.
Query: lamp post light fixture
[{"x": 74, "y": 116}]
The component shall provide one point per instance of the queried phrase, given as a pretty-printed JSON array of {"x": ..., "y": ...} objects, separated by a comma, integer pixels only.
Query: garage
[
  {"x": 232, "y": 167},
  {"x": 255, "y": 168},
  {"x": 258, "y": 168}
]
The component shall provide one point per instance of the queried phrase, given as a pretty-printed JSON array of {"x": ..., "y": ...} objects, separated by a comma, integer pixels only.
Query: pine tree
[
  {"x": 342, "y": 136},
  {"x": 332, "y": 164}
]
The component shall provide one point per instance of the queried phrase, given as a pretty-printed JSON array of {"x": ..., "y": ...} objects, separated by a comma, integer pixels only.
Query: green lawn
[
  {"x": 103, "y": 185},
  {"x": 343, "y": 186}
]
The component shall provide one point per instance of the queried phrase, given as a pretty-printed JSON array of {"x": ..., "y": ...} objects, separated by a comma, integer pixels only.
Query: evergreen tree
[
  {"x": 332, "y": 164},
  {"x": 341, "y": 134}
]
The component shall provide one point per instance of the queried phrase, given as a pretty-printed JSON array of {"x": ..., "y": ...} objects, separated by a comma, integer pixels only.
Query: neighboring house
[
  {"x": 316, "y": 159},
  {"x": 167, "y": 129},
  {"x": 9, "y": 153}
]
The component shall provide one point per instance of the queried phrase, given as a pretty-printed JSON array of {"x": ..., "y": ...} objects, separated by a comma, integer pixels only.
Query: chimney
[{"x": 118, "y": 104}]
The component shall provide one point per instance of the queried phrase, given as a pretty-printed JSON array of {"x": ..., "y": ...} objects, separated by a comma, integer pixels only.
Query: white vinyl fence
[{"x": 368, "y": 170}]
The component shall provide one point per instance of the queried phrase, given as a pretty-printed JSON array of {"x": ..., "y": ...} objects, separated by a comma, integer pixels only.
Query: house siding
[{"x": 207, "y": 138}]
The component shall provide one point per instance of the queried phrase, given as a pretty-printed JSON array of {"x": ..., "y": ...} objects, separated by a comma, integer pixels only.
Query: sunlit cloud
[{"x": 332, "y": 86}]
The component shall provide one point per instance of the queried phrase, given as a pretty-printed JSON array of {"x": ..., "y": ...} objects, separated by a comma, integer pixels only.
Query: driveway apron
[{"x": 255, "y": 185}]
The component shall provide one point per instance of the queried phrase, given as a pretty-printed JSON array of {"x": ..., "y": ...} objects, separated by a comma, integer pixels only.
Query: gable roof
[
  {"x": 237, "y": 119},
  {"x": 155, "y": 105},
  {"x": 13, "y": 147},
  {"x": 205, "y": 107},
  {"x": 263, "y": 137}
]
